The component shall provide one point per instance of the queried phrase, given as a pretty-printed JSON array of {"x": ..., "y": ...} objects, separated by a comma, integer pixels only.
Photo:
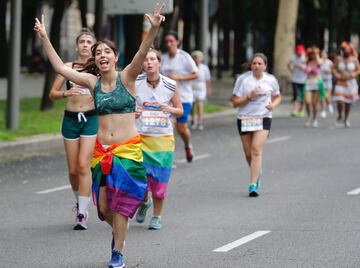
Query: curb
[{"x": 53, "y": 143}]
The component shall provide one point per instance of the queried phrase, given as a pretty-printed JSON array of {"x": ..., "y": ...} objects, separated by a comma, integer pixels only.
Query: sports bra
[
  {"x": 346, "y": 66},
  {"x": 119, "y": 101}
]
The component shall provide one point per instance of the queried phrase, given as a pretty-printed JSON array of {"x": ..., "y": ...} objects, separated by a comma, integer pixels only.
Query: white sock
[
  {"x": 76, "y": 194},
  {"x": 83, "y": 204}
]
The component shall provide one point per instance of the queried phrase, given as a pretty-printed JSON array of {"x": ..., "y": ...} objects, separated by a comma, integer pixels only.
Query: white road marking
[
  {"x": 241, "y": 241},
  {"x": 54, "y": 189},
  {"x": 283, "y": 138},
  {"x": 196, "y": 157},
  {"x": 354, "y": 192}
]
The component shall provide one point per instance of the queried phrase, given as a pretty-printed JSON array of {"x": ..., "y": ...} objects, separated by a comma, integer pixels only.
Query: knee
[
  {"x": 103, "y": 208},
  {"x": 256, "y": 152},
  {"x": 83, "y": 168}
]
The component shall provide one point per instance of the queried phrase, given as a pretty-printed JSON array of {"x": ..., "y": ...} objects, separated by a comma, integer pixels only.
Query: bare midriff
[
  {"x": 80, "y": 103},
  {"x": 116, "y": 128}
]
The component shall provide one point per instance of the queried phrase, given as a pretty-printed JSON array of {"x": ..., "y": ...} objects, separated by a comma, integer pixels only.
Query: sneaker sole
[
  {"x": 154, "y": 228},
  {"x": 112, "y": 266},
  {"x": 253, "y": 194},
  {"x": 80, "y": 227}
]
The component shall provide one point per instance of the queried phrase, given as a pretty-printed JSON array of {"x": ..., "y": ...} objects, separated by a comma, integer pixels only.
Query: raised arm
[
  {"x": 135, "y": 67},
  {"x": 83, "y": 79}
]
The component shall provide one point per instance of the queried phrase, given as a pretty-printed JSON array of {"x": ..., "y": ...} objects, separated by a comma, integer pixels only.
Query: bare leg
[
  {"x": 158, "y": 205},
  {"x": 184, "y": 132},
  {"x": 257, "y": 144},
  {"x": 315, "y": 100},
  {"x": 200, "y": 112},
  {"x": 119, "y": 228},
  {"x": 339, "y": 105},
  {"x": 308, "y": 103},
  {"x": 72, "y": 156},
  {"x": 347, "y": 111},
  {"x": 84, "y": 160},
  {"x": 103, "y": 207},
  {"x": 246, "y": 142}
]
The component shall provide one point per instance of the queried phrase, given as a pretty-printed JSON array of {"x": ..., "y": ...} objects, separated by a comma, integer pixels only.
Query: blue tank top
[{"x": 119, "y": 101}]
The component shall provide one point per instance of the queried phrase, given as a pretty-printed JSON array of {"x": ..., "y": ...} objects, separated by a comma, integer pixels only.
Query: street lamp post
[{"x": 12, "y": 112}]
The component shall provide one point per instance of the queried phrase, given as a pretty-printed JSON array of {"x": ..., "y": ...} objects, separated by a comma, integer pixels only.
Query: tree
[
  {"x": 133, "y": 30},
  {"x": 240, "y": 35},
  {"x": 83, "y": 11},
  {"x": 59, "y": 7},
  {"x": 285, "y": 39}
]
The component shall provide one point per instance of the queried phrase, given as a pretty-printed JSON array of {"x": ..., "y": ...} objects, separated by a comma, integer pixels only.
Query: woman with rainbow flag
[
  {"x": 157, "y": 98},
  {"x": 119, "y": 176}
]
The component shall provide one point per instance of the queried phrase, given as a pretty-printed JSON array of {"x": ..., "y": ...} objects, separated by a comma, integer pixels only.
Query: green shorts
[
  {"x": 79, "y": 124},
  {"x": 321, "y": 90}
]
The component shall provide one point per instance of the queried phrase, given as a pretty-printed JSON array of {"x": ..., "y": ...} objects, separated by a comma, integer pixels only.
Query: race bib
[
  {"x": 154, "y": 120},
  {"x": 250, "y": 124}
]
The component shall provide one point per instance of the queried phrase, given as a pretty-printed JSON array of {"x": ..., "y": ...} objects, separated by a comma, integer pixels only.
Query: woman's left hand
[
  {"x": 156, "y": 19},
  {"x": 165, "y": 108}
]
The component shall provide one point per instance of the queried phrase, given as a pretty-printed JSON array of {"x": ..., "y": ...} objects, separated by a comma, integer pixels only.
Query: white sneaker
[
  {"x": 347, "y": 124},
  {"x": 323, "y": 114},
  {"x": 308, "y": 122},
  {"x": 314, "y": 123},
  {"x": 331, "y": 108},
  {"x": 200, "y": 127},
  {"x": 193, "y": 126},
  {"x": 339, "y": 123}
]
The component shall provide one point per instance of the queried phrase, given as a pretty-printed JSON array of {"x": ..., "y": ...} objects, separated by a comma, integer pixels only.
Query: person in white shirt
[
  {"x": 201, "y": 88},
  {"x": 257, "y": 94},
  {"x": 326, "y": 74},
  {"x": 179, "y": 66},
  {"x": 297, "y": 65},
  {"x": 157, "y": 99}
]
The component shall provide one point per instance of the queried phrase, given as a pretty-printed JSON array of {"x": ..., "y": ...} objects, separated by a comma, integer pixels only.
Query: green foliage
[{"x": 32, "y": 121}]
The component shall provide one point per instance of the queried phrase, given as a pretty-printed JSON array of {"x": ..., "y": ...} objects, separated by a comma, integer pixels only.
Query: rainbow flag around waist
[
  {"x": 121, "y": 166},
  {"x": 158, "y": 154}
]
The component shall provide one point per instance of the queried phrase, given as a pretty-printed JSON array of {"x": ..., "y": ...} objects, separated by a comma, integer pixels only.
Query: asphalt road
[{"x": 305, "y": 216}]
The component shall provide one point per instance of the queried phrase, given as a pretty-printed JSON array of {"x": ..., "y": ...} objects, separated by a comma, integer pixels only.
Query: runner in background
[
  {"x": 326, "y": 74},
  {"x": 201, "y": 88},
  {"x": 179, "y": 66},
  {"x": 314, "y": 87},
  {"x": 79, "y": 129},
  {"x": 157, "y": 100},
  {"x": 297, "y": 65},
  {"x": 346, "y": 69},
  {"x": 257, "y": 94}
]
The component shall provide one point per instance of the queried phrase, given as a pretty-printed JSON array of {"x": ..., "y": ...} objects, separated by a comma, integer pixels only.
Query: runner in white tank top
[{"x": 157, "y": 99}]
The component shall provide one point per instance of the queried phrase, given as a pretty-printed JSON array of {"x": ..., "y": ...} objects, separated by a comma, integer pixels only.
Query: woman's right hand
[
  {"x": 75, "y": 91},
  {"x": 254, "y": 93},
  {"x": 39, "y": 27},
  {"x": 138, "y": 112}
]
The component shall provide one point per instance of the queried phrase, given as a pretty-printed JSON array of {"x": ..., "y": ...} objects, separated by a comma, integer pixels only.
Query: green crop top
[{"x": 119, "y": 101}]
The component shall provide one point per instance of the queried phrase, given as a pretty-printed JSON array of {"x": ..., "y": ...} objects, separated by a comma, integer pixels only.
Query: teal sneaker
[
  {"x": 117, "y": 260},
  {"x": 142, "y": 211},
  {"x": 155, "y": 223},
  {"x": 252, "y": 190}
]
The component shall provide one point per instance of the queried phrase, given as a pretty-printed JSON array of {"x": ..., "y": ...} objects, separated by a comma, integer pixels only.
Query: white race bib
[
  {"x": 250, "y": 124},
  {"x": 154, "y": 120}
]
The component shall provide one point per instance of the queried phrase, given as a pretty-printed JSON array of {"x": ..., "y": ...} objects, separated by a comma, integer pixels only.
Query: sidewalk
[{"x": 32, "y": 86}]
